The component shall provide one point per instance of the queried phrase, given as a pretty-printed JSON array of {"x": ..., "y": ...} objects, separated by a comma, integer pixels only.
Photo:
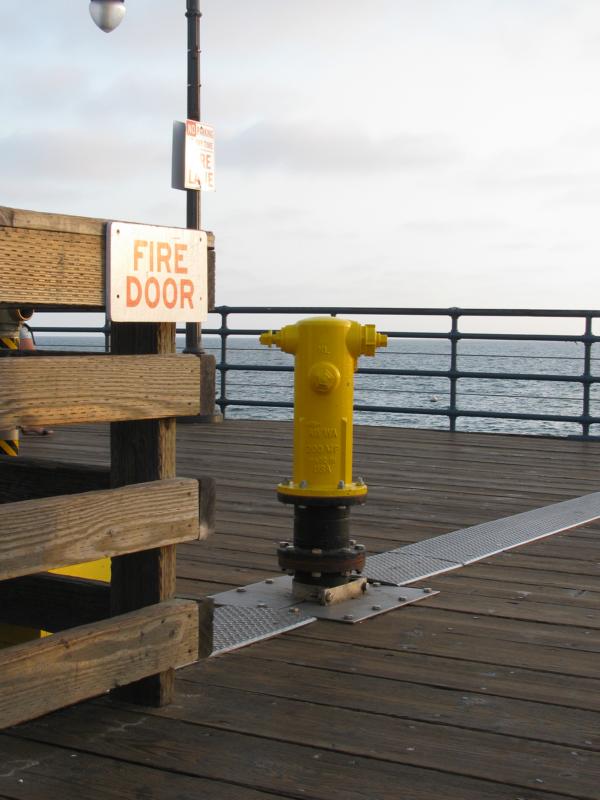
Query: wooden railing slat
[
  {"x": 46, "y": 674},
  {"x": 53, "y": 391},
  {"x": 39, "y": 535}
]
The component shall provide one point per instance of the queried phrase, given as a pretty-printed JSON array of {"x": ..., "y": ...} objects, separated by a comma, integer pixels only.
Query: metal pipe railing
[{"x": 455, "y": 409}]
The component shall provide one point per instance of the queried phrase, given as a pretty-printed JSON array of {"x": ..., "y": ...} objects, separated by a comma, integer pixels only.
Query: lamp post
[{"x": 108, "y": 14}]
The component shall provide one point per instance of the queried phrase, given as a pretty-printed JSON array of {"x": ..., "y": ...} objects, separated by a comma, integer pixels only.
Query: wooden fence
[{"x": 134, "y": 633}]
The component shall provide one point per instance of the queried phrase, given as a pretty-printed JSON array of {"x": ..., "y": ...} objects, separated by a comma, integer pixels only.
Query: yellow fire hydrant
[{"x": 322, "y": 486}]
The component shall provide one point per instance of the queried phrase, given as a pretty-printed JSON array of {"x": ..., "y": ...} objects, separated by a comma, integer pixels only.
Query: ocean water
[{"x": 422, "y": 393}]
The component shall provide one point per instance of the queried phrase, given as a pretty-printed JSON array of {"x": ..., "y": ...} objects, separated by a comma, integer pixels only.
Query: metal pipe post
[{"x": 193, "y": 330}]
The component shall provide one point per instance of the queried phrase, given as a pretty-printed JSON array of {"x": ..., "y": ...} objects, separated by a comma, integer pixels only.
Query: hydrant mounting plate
[{"x": 276, "y": 595}]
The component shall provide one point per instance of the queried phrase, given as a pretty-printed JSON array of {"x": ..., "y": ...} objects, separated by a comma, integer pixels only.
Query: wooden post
[{"x": 143, "y": 451}]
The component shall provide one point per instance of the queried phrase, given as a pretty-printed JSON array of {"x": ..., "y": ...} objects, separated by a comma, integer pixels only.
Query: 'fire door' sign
[{"x": 156, "y": 274}]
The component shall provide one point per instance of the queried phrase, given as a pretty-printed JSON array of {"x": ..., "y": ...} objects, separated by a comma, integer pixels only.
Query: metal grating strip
[
  {"x": 459, "y": 548},
  {"x": 397, "y": 569},
  {"x": 236, "y": 626}
]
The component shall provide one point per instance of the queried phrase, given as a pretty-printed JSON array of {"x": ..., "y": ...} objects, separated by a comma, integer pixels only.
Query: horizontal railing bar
[
  {"x": 431, "y": 373},
  {"x": 443, "y": 335},
  {"x": 437, "y": 412},
  {"x": 410, "y": 312}
]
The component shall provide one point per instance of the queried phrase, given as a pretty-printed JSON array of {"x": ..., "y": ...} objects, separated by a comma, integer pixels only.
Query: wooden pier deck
[{"x": 490, "y": 689}]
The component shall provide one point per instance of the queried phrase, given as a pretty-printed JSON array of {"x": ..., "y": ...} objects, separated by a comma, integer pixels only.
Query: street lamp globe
[{"x": 107, "y": 14}]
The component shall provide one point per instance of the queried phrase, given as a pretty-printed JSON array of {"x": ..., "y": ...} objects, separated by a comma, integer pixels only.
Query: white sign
[
  {"x": 193, "y": 156},
  {"x": 156, "y": 274}
]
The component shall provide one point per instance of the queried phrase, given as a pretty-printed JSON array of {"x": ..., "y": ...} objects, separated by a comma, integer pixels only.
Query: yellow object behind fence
[{"x": 93, "y": 570}]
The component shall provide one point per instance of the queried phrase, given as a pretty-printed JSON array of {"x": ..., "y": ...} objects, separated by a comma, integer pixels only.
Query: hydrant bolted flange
[{"x": 322, "y": 487}]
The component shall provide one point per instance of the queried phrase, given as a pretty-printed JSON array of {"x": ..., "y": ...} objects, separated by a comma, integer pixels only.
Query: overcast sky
[{"x": 390, "y": 152}]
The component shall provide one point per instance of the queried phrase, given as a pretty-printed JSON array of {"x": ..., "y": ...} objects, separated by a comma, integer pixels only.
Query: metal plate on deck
[
  {"x": 274, "y": 593},
  {"x": 276, "y": 596},
  {"x": 465, "y": 546},
  {"x": 236, "y": 626}
]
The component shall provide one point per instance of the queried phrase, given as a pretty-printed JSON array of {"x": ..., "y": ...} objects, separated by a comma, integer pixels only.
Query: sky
[{"x": 415, "y": 153}]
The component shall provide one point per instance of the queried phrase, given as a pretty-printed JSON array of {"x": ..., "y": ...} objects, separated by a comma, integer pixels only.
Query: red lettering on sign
[
  {"x": 152, "y": 301},
  {"x": 134, "y": 292},
  {"x": 163, "y": 256},
  {"x": 170, "y": 288},
  {"x": 137, "y": 251},
  {"x": 187, "y": 292},
  {"x": 180, "y": 250}
]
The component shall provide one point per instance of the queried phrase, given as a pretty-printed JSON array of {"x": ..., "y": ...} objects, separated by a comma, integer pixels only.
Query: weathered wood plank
[
  {"x": 322, "y": 771},
  {"x": 39, "y": 535},
  {"x": 51, "y": 268},
  {"x": 50, "y": 673},
  {"x": 402, "y": 738},
  {"x": 30, "y": 479},
  {"x": 49, "y": 391},
  {"x": 65, "y": 223},
  {"x": 48, "y": 771},
  {"x": 221, "y": 683},
  {"x": 438, "y": 671}
]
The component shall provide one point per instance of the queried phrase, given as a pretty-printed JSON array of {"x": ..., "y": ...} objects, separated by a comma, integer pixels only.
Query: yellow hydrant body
[{"x": 326, "y": 351}]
